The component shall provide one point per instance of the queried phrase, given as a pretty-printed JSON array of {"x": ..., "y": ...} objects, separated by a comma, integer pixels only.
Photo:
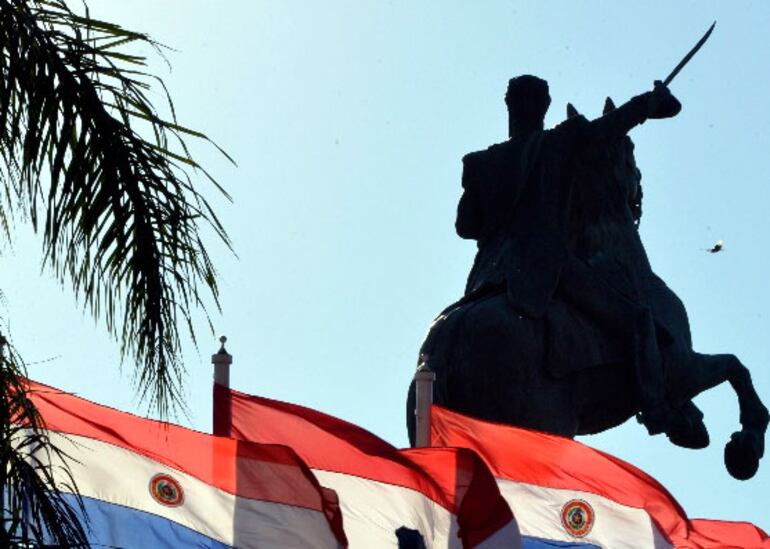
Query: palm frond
[
  {"x": 33, "y": 471},
  {"x": 119, "y": 213}
]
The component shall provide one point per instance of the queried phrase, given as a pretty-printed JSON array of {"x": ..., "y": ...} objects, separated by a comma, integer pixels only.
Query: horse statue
[{"x": 557, "y": 372}]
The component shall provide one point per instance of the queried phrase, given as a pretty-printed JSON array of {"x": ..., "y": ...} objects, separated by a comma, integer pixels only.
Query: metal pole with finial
[
  {"x": 221, "y": 406},
  {"x": 423, "y": 387}
]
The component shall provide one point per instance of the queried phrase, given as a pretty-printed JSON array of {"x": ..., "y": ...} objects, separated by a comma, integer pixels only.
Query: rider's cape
[{"x": 515, "y": 204}]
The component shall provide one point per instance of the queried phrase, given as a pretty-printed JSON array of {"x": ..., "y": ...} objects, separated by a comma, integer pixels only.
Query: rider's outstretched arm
[{"x": 658, "y": 103}]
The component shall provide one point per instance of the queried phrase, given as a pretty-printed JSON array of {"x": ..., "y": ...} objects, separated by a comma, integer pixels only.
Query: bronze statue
[{"x": 564, "y": 327}]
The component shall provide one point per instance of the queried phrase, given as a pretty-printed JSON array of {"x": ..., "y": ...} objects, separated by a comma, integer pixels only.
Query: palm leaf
[
  {"x": 119, "y": 213},
  {"x": 34, "y": 511}
]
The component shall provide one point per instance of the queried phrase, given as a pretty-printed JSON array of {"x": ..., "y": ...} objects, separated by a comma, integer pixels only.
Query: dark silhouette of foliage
[
  {"x": 30, "y": 465},
  {"x": 118, "y": 212},
  {"x": 105, "y": 178}
]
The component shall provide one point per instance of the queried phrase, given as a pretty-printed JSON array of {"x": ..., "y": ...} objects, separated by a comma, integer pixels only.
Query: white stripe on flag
[
  {"x": 372, "y": 511},
  {"x": 538, "y": 510},
  {"x": 115, "y": 475}
]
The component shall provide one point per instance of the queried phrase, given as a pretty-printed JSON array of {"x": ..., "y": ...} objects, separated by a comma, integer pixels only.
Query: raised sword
[{"x": 689, "y": 55}]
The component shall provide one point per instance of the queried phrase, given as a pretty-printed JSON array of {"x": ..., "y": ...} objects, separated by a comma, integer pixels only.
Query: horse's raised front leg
[
  {"x": 747, "y": 446},
  {"x": 689, "y": 431}
]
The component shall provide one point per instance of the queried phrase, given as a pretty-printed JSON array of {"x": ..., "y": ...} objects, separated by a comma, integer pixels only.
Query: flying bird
[{"x": 717, "y": 247}]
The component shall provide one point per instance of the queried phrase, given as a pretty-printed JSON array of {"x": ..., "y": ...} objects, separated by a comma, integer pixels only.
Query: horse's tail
[
  {"x": 434, "y": 350},
  {"x": 448, "y": 319},
  {"x": 435, "y": 357}
]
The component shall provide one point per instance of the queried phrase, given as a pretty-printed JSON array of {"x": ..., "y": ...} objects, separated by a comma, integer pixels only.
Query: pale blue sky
[{"x": 348, "y": 121}]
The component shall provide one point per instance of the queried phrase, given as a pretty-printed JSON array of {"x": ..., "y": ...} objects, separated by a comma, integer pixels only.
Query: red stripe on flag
[
  {"x": 480, "y": 509},
  {"x": 717, "y": 534},
  {"x": 264, "y": 472},
  {"x": 455, "y": 478},
  {"x": 324, "y": 442},
  {"x": 541, "y": 459}
]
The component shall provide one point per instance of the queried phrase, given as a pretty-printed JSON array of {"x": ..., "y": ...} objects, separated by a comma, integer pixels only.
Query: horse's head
[
  {"x": 625, "y": 171},
  {"x": 606, "y": 199},
  {"x": 619, "y": 158}
]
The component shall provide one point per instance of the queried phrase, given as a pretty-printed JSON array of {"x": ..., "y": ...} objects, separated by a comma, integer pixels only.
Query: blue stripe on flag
[
  {"x": 528, "y": 542},
  {"x": 117, "y": 526}
]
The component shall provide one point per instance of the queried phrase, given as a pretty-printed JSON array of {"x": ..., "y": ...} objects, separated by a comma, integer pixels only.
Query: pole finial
[
  {"x": 222, "y": 361},
  {"x": 422, "y": 364}
]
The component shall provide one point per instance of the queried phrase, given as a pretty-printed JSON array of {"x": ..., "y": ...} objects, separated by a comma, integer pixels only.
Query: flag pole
[
  {"x": 221, "y": 410},
  {"x": 423, "y": 381}
]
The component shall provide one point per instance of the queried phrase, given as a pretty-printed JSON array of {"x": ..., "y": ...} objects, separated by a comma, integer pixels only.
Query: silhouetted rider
[{"x": 516, "y": 204}]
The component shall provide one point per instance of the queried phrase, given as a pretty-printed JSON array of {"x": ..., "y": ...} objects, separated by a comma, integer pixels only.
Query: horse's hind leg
[{"x": 746, "y": 447}]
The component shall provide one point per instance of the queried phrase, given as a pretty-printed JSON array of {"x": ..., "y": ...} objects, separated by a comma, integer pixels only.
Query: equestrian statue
[{"x": 564, "y": 327}]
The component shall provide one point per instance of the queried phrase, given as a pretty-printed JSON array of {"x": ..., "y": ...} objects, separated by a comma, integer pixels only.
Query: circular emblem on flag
[
  {"x": 577, "y": 517},
  {"x": 166, "y": 490}
]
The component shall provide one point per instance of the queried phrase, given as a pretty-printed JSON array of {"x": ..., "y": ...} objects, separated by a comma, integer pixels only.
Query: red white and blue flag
[
  {"x": 150, "y": 484},
  {"x": 566, "y": 494},
  {"x": 447, "y": 495}
]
